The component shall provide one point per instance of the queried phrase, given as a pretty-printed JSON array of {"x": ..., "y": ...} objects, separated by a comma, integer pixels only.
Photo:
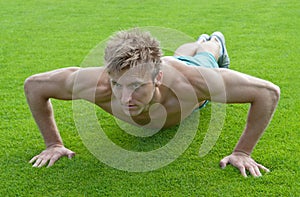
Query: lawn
[{"x": 38, "y": 36}]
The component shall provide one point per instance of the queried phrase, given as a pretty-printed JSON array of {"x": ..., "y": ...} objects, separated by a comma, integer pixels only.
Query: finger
[
  {"x": 52, "y": 161},
  {"x": 243, "y": 171},
  {"x": 33, "y": 159},
  {"x": 70, "y": 155},
  {"x": 224, "y": 162},
  {"x": 257, "y": 171},
  {"x": 43, "y": 162},
  {"x": 252, "y": 171},
  {"x": 263, "y": 168},
  {"x": 37, "y": 162}
]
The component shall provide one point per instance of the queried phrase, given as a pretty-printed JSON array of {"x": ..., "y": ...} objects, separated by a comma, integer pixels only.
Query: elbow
[
  {"x": 27, "y": 85},
  {"x": 30, "y": 84},
  {"x": 275, "y": 92}
]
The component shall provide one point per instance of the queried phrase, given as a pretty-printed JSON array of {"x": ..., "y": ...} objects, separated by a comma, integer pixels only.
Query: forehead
[{"x": 135, "y": 74}]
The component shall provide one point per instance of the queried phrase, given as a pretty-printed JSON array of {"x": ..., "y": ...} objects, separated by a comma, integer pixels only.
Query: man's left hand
[{"x": 243, "y": 162}]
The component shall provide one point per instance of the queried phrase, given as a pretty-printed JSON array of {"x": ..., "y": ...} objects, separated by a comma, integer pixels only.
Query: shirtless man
[{"x": 137, "y": 82}]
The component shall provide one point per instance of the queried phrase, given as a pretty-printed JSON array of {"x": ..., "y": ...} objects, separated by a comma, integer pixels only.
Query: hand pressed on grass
[
  {"x": 243, "y": 162},
  {"x": 51, "y": 155}
]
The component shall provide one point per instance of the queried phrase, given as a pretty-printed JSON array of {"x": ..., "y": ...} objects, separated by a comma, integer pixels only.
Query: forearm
[
  {"x": 259, "y": 116},
  {"x": 42, "y": 113},
  {"x": 44, "y": 118}
]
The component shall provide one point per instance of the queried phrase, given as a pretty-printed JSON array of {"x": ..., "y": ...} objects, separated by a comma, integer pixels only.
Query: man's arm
[
  {"x": 229, "y": 86},
  {"x": 38, "y": 90}
]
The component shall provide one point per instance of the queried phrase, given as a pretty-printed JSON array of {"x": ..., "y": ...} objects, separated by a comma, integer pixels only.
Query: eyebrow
[{"x": 134, "y": 82}]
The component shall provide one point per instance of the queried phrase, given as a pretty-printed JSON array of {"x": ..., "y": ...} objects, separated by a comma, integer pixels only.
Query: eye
[
  {"x": 115, "y": 84},
  {"x": 136, "y": 85}
]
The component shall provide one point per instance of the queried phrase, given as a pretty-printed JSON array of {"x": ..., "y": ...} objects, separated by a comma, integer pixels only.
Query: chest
[{"x": 157, "y": 116}]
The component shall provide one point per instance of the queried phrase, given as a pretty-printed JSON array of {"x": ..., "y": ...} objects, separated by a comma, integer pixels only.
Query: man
[{"x": 139, "y": 86}]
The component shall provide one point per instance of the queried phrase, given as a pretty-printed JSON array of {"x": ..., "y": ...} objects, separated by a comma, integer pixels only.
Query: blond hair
[{"x": 127, "y": 49}]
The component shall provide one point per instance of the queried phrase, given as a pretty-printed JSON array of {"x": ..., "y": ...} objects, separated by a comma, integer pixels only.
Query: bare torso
[{"x": 173, "y": 101}]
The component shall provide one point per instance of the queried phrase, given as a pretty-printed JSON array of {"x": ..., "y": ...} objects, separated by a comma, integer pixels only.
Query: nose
[{"x": 126, "y": 96}]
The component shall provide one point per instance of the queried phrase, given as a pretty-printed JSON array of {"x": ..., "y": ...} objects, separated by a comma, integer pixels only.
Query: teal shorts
[{"x": 203, "y": 59}]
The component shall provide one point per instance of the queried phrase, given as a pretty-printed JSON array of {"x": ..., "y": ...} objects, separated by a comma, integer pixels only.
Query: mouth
[{"x": 130, "y": 107}]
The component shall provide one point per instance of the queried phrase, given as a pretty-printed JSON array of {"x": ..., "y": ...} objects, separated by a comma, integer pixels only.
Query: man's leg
[
  {"x": 223, "y": 60},
  {"x": 190, "y": 49}
]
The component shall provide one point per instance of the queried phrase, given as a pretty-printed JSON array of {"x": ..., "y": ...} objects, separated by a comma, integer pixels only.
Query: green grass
[{"x": 36, "y": 36}]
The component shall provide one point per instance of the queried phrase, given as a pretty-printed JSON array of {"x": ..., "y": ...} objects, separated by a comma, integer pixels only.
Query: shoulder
[
  {"x": 86, "y": 76},
  {"x": 85, "y": 81},
  {"x": 188, "y": 78},
  {"x": 172, "y": 61},
  {"x": 68, "y": 83}
]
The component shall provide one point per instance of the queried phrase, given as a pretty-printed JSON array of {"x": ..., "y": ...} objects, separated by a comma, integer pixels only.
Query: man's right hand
[{"x": 51, "y": 154}]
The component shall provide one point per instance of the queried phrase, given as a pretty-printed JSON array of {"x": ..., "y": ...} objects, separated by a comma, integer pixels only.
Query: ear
[{"x": 158, "y": 78}]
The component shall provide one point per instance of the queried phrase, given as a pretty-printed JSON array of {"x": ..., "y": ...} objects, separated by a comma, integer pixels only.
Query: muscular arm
[
  {"x": 39, "y": 89},
  {"x": 263, "y": 97},
  {"x": 229, "y": 86}
]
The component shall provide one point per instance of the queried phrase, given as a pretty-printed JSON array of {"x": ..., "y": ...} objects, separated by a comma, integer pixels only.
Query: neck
[{"x": 156, "y": 98}]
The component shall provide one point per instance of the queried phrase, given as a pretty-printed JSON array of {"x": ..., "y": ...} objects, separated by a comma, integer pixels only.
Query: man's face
[{"x": 134, "y": 89}]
